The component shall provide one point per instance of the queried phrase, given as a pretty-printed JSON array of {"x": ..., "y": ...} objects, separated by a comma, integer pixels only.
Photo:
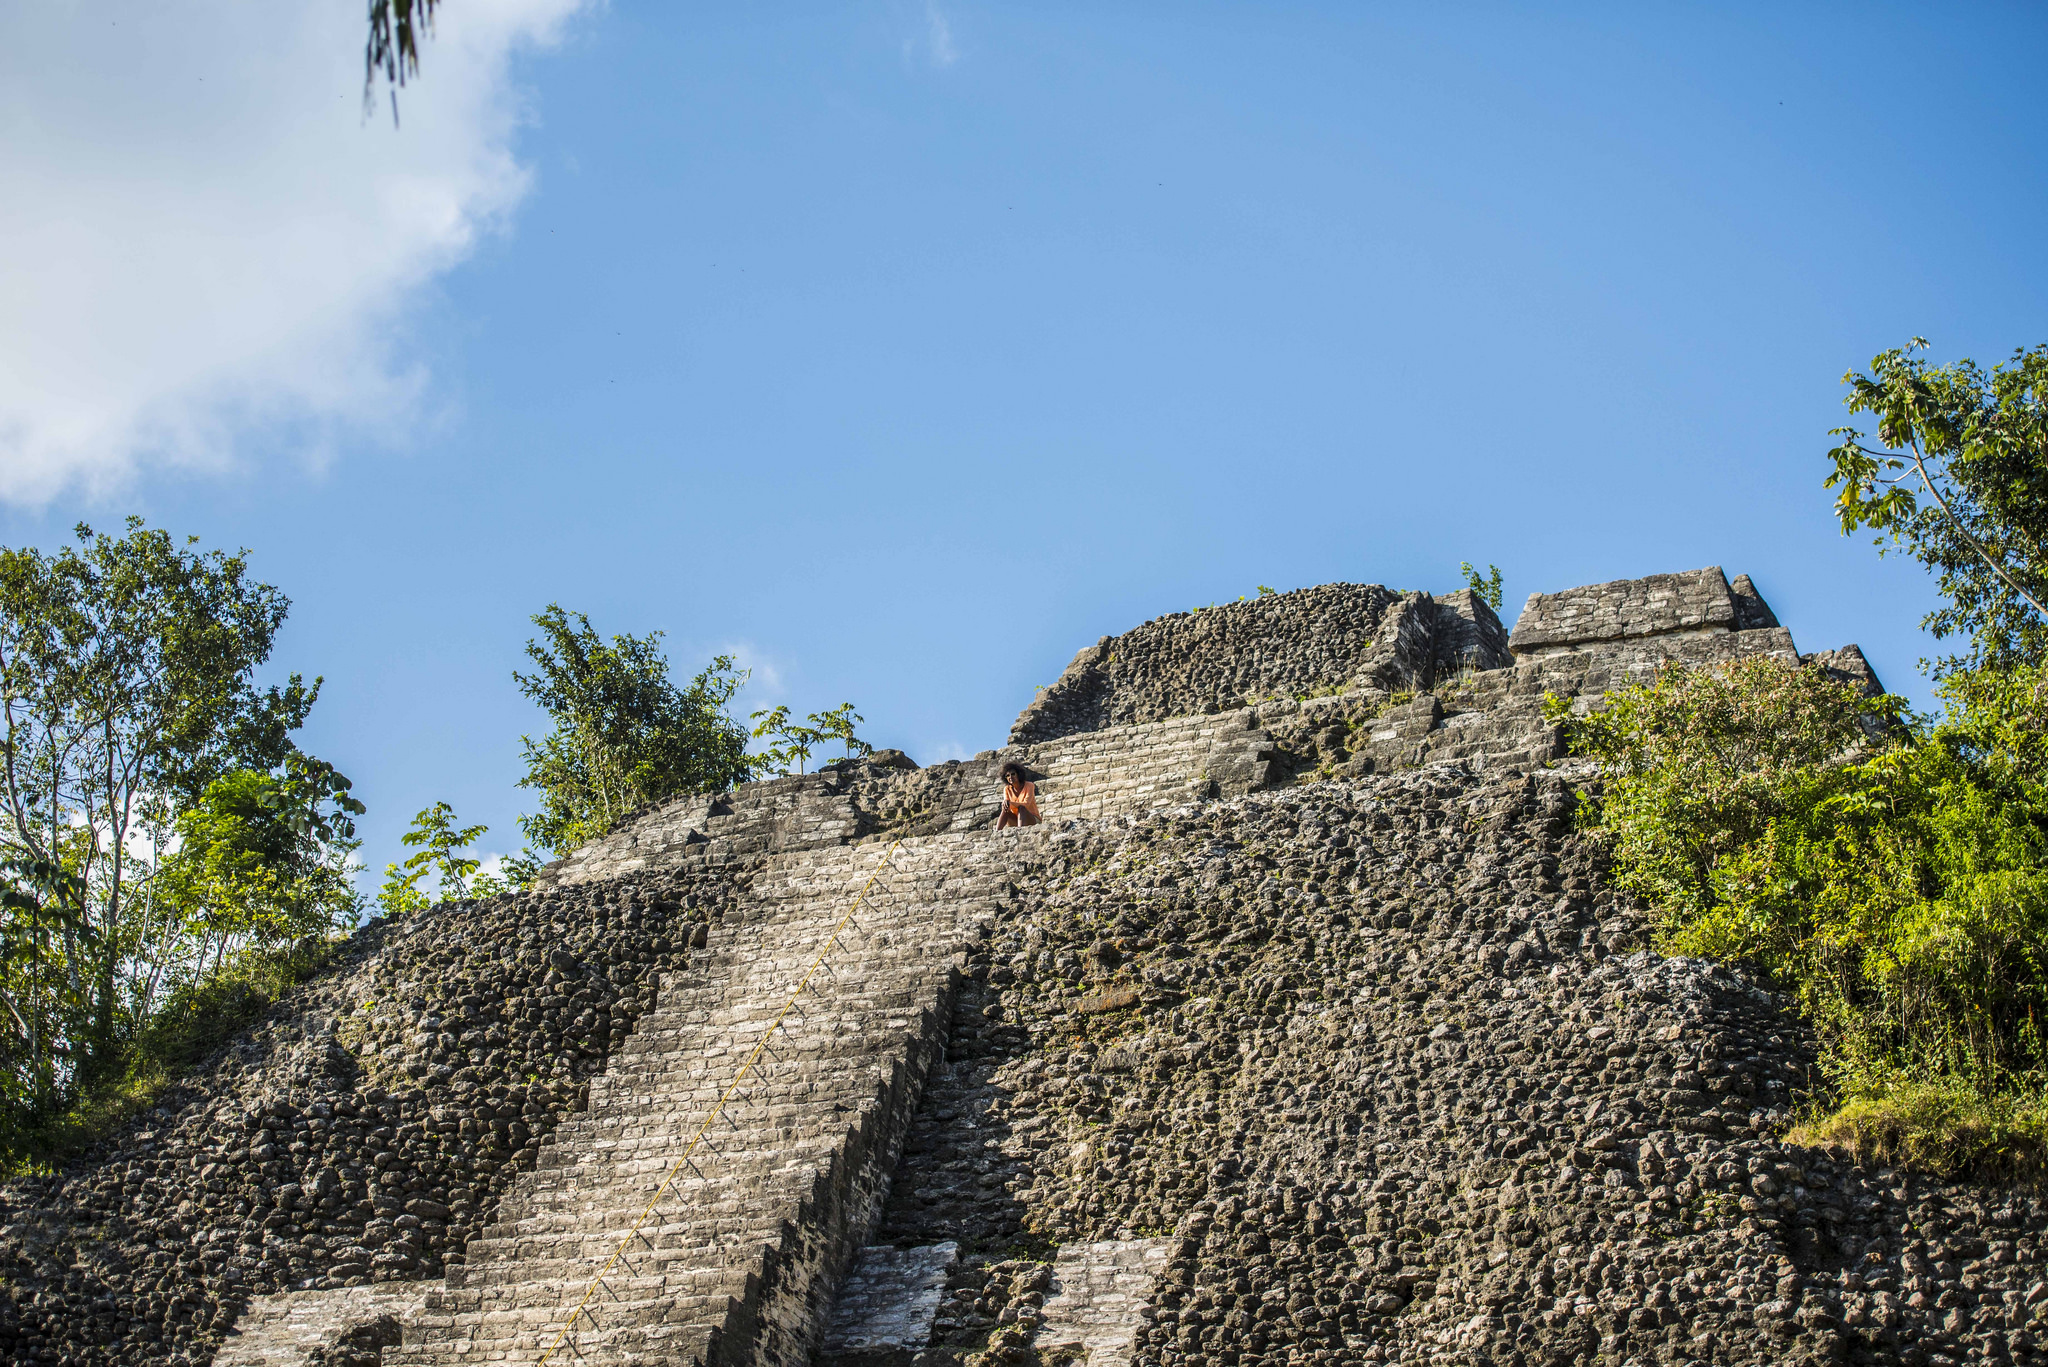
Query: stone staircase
[
  {"x": 1085, "y": 776},
  {"x": 739, "y": 1259}
]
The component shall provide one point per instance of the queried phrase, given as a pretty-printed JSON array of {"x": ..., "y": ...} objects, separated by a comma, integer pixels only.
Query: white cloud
[
  {"x": 764, "y": 686},
  {"x": 206, "y": 243},
  {"x": 934, "y": 41},
  {"x": 488, "y": 865},
  {"x": 941, "y": 36}
]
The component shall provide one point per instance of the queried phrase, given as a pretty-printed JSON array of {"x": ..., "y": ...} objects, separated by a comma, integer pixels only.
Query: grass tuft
[
  {"x": 192, "y": 1025},
  {"x": 1946, "y": 1128}
]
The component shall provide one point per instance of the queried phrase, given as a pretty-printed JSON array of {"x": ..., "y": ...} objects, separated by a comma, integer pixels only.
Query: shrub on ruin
[
  {"x": 436, "y": 840},
  {"x": 622, "y": 734},
  {"x": 156, "y": 818},
  {"x": 791, "y": 742},
  {"x": 1890, "y": 872},
  {"x": 1485, "y": 587}
]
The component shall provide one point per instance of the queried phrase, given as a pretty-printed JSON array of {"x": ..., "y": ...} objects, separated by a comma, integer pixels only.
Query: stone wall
[
  {"x": 363, "y": 1133},
  {"x": 742, "y": 1251},
  {"x": 1390, "y": 1069},
  {"x": 1695, "y": 601},
  {"x": 338, "y": 1326},
  {"x": 886, "y": 796},
  {"x": 1304, "y": 1031},
  {"x": 1319, "y": 640}
]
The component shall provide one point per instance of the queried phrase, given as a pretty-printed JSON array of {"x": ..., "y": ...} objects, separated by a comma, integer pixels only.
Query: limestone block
[
  {"x": 888, "y": 1301},
  {"x": 1098, "y": 1290},
  {"x": 1752, "y": 613},
  {"x": 1695, "y": 601},
  {"x": 1847, "y": 665},
  {"x": 284, "y": 1330}
]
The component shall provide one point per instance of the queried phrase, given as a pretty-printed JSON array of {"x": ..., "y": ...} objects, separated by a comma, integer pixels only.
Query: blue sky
[{"x": 904, "y": 348}]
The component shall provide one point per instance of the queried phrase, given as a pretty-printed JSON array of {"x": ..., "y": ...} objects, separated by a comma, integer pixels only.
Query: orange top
[{"x": 1017, "y": 801}]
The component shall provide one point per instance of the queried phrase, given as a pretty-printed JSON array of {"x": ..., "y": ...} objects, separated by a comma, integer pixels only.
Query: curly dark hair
[{"x": 1014, "y": 770}]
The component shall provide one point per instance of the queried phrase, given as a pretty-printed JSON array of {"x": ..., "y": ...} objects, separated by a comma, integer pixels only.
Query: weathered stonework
[
  {"x": 296, "y": 1328},
  {"x": 1287, "y": 645},
  {"x": 739, "y": 1258},
  {"x": 1099, "y": 1293},
  {"x": 885, "y": 797},
  {"x": 1694, "y": 603},
  {"x": 1306, "y": 1030},
  {"x": 887, "y": 1303}
]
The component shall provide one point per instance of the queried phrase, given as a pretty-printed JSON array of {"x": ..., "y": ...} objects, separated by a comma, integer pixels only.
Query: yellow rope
[{"x": 676, "y": 1168}]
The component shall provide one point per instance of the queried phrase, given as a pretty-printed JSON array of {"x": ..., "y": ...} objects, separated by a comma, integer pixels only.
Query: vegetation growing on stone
[
  {"x": 622, "y": 734},
  {"x": 130, "y": 721},
  {"x": 1901, "y": 895},
  {"x": 435, "y": 839},
  {"x": 1486, "y": 586},
  {"x": 1891, "y": 872},
  {"x": 791, "y": 742}
]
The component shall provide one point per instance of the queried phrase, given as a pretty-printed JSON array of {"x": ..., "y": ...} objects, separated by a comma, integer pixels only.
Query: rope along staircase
[{"x": 733, "y": 1156}]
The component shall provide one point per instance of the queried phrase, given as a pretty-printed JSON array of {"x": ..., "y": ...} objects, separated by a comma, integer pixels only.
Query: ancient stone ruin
[{"x": 1305, "y": 1030}]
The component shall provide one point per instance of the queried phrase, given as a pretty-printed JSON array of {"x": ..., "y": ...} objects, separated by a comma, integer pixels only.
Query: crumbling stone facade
[
  {"x": 1338, "y": 637},
  {"x": 1306, "y": 1030}
]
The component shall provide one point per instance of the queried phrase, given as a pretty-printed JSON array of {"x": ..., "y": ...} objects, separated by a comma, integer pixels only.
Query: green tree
[
  {"x": 623, "y": 734},
  {"x": 436, "y": 838},
  {"x": 839, "y": 724},
  {"x": 126, "y": 689},
  {"x": 1959, "y": 481},
  {"x": 513, "y": 873},
  {"x": 792, "y": 741},
  {"x": 1890, "y": 872},
  {"x": 1485, "y": 586},
  {"x": 262, "y": 860},
  {"x": 789, "y": 742},
  {"x": 41, "y": 905},
  {"x": 1699, "y": 763}
]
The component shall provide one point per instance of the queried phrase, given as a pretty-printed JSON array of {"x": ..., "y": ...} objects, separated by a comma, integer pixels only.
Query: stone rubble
[
  {"x": 1404, "y": 1084},
  {"x": 1307, "y": 1030},
  {"x": 363, "y": 1133},
  {"x": 888, "y": 1301},
  {"x": 1288, "y": 645}
]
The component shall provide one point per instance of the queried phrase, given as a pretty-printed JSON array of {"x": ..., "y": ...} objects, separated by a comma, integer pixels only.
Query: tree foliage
[
  {"x": 1899, "y": 886},
  {"x": 261, "y": 859},
  {"x": 791, "y": 742},
  {"x": 1892, "y": 871},
  {"x": 1959, "y": 480},
  {"x": 393, "y": 48},
  {"x": 155, "y": 817},
  {"x": 435, "y": 839},
  {"x": 1486, "y": 587},
  {"x": 623, "y": 734},
  {"x": 1700, "y": 763}
]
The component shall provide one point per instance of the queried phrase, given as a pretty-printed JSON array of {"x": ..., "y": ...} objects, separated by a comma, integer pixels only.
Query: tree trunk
[{"x": 103, "y": 1025}]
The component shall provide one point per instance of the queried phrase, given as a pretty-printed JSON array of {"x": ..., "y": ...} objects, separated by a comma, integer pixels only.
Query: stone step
[
  {"x": 742, "y": 1252},
  {"x": 654, "y": 1342}
]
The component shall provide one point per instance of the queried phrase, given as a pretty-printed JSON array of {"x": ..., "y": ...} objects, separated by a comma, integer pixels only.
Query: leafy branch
[
  {"x": 436, "y": 837},
  {"x": 1484, "y": 587},
  {"x": 793, "y": 741},
  {"x": 1976, "y": 446}
]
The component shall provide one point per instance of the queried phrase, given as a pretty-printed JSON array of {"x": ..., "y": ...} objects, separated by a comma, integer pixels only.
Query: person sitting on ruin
[{"x": 1020, "y": 797}]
